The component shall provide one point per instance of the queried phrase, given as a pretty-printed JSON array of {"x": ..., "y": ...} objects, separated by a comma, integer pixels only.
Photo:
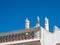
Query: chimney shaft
[
  {"x": 46, "y": 23},
  {"x": 38, "y": 22},
  {"x": 26, "y": 23}
]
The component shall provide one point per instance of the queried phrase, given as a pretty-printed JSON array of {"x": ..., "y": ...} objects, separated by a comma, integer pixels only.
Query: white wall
[{"x": 48, "y": 38}]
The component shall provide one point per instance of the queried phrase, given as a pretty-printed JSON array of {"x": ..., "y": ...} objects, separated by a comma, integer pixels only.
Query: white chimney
[
  {"x": 27, "y": 23},
  {"x": 46, "y": 23},
  {"x": 38, "y": 22}
]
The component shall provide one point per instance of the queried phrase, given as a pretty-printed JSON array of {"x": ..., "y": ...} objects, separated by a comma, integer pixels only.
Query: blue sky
[{"x": 14, "y": 12}]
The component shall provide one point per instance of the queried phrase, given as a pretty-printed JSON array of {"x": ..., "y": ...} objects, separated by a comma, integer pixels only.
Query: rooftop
[{"x": 19, "y": 31}]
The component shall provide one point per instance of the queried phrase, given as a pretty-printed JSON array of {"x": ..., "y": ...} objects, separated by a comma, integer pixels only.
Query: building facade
[{"x": 36, "y": 35}]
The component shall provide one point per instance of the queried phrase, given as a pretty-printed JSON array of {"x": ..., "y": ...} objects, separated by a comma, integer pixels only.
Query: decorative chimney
[
  {"x": 37, "y": 21},
  {"x": 27, "y": 23},
  {"x": 46, "y": 23}
]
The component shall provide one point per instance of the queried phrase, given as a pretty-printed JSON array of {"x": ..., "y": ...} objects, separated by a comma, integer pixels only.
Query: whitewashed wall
[{"x": 48, "y": 38}]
